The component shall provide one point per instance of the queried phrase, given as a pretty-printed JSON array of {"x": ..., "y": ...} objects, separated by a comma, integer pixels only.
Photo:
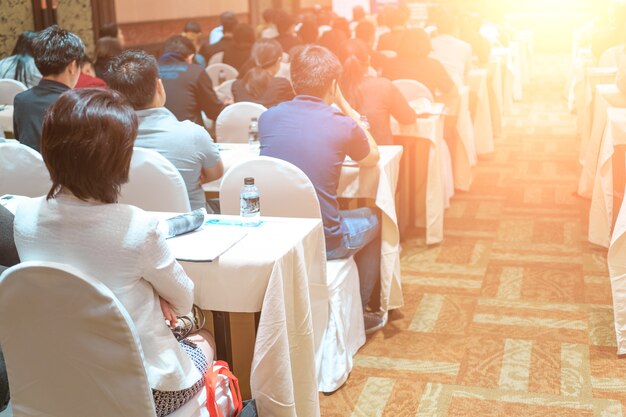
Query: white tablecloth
[
  {"x": 439, "y": 179},
  {"x": 483, "y": 129},
  {"x": 279, "y": 270},
  {"x": 6, "y": 120},
  {"x": 601, "y": 210},
  {"x": 607, "y": 95},
  {"x": 378, "y": 184}
]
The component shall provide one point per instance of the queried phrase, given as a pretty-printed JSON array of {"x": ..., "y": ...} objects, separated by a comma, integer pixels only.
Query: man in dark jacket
[
  {"x": 229, "y": 22},
  {"x": 188, "y": 87}
]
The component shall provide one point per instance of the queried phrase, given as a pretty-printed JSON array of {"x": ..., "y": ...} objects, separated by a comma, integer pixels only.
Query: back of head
[
  {"x": 229, "y": 21},
  {"x": 308, "y": 30},
  {"x": 265, "y": 54},
  {"x": 268, "y": 15},
  {"x": 313, "y": 70},
  {"x": 107, "y": 48},
  {"x": 192, "y": 27},
  {"x": 110, "y": 30},
  {"x": 134, "y": 74},
  {"x": 244, "y": 34},
  {"x": 358, "y": 13},
  {"x": 24, "y": 43},
  {"x": 414, "y": 44},
  {"x": 366, "y": 32},
  {"x": 354, "y": 55},
  {"x": 55, "y": 48},
  {"x": 283, "y": 21},
  {"x": 332, "y": 40},
  {"x": 81, "y": 127},
  {"x": 342, "y": 24},
  {"x": 180, "y": 46}
]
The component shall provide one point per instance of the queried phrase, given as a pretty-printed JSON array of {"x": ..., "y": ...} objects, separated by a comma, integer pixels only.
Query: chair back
[
  {"x": 154, "y": 184},
  {"x": 70, "y": 347},
  {"x": 413, "y": 90},
  {"x": 233, "y": 122},
  {"x": 220, "y": 72},
  {"x": 285, "y": 190},
  {"x": 609, "y": 58},
  {"x": 225, "y": 90},
  {"x": 216, "y": 58},
  {"x": 22, "y": 171},
  {"x": 9, "y": 89}
]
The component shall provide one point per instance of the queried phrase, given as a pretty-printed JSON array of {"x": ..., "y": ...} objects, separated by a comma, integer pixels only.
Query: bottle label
[{"x": 250, "y": 206}]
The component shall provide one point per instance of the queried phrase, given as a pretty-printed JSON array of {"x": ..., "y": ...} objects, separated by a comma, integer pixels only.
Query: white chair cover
[
  {"x": 22, "y": 171},
  {"x": 412, "y": 90},
  {"x": 72, "y": 359},
  {"x": 616, "y": 260},
  {"x": 225, "y": 90},
  {"x": 279, "y": 181},
  {"x": 233, "y": 122},
  {"x": 9, "y": 89},
  {"x": 609, "y": 58},
  {"x": 154, "y": 184},
  {"x": 228, "y": 72},
  {"x": 216, "y": 58},
  {"x": 389, "y": 53}
]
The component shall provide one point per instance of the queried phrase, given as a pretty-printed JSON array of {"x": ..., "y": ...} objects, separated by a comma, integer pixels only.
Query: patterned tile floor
[{"x": 511, "y": 314}]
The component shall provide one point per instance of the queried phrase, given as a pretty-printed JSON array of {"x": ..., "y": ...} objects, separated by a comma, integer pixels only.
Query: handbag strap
[{"x": 221, "y": 368}]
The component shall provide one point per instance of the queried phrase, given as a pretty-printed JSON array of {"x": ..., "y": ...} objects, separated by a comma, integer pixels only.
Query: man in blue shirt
[{"x": 316, "y": 137}]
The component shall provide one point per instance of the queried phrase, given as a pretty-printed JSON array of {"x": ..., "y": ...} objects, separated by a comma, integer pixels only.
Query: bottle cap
[
  {"x": 248, "y": 181},
  {"x": 254, "y": 119}
]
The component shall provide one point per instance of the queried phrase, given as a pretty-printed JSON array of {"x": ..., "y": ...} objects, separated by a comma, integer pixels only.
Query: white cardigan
[{"x": 121, "y": 246}]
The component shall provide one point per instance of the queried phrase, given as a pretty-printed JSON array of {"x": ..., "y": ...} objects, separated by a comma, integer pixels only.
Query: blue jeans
[{"x": 362, "y": 239}]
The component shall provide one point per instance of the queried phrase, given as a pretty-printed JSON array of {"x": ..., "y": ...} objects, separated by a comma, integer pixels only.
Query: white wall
[{"x": 154, "y": 10}]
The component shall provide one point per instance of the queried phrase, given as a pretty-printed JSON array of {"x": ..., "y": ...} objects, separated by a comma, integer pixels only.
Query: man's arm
[
  {"x": 374, "y": 155},
  {"x": 213, "y": 173}
]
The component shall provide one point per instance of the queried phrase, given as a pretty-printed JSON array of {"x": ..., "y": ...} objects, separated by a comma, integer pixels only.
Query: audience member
[
  {"x": 20, "y": 66},
  {"x": 209, "y": 48},
  {"x": 366, "y": 32},
  {"x": 260, "y": 83},
  {"x": 188, "y": 87},
  {"x": 324, "y": 137},
  {"x": 447, "y": 48},
  {"x": 308, "y": 31},
  {"x": 121, "y": 245},
  {"x": 189, "y": 147},
  {"x": 88, "y": 78},
  {"x": 106, "y": 48},
  {"x": 374, "y": 97},
  {"x": 267, "y": 29},
  {"x": 237, "y": 54},
  {"x": 413, "y": 62},
  {"x": 395, "y": 20},
  {"x": 332, "y": 40},
  {"x": 342, "y": 24},
  {"x": 193, "y": 32},
  {"x": 470, "y": 33},
  {"x": 57, "y": 55},
  {"x": 286, "y": 35},
  {"x": 112, "y": 30}
]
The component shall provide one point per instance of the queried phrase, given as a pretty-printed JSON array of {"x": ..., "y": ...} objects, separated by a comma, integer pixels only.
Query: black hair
[
  {"x": 22, "y": 53},
  {"x": 109, "y": 30},
  {"x": 192, "y": 27},
  {"x": 313, "y": 69},
  {"x": 265, "y": 53},
  {"x": 55, "y": 48},
  {"x": 134, "y": 74},
  {"x": 179, "y": 45},
  {"x": 24, "y": 43},
  {"x": 229, "y": 21}
]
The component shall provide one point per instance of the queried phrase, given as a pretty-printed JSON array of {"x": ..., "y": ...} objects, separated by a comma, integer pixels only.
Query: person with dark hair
[
  {"x": 374, "y": 97},
  {"x": 20, "y": 66},
  {"x": 316, "y": 137},
  {"x": 267, "y": 29},
  {"x": 189, "y": 147},
  {"x": 87, "y": 144},
  {"x": 193, "y": 32},
  {"x": 366, "y": 32},
  {"x": 395, "y": 20},
  {"x": 106, "y": 49},
  {"x": 309, "y": 30},
  {"x": 188, "y": 86},
  {"x": 413, "y": 62},
  {"x": 260, "y": 83},
  {"x": 214, "y": 45},
  {"x": 238, "y": 53},
  {"x": 332, "y": 40},
  {"x": 342, "y": 24},
  {"x": 112, "y": 30},
  {"x": 447, "y": 48},
  {"x": 57, "y": 54},
  {"x": 286, "y": 35},
  {"x": 88, "y": 77}
]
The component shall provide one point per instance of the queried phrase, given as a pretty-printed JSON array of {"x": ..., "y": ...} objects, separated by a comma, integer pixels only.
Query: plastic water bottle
[
  {"x": 253, "y": 135},
  {"x": 250, "y": 207},
  {"x": 365, "y": 122}
]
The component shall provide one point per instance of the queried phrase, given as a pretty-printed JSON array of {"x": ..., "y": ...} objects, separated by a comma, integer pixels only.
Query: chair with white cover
[
  {"x": 610, "y": 57},
  {"x": 233, "y": 122},
  {"x": 74, "y": 351},
  {"x": 22, "y": 171},
  {"x": 279, "y": 181},
  {"x": 616, "y": 260},
  {"x": 9, "y": 89},
  {"x": 216, "y": 58},
  {"x": 221, "y": 72},
  {"x": 413, "y": 90},
  {"x": 154, "y": 184},
  {"x": 224, "y": 91}
]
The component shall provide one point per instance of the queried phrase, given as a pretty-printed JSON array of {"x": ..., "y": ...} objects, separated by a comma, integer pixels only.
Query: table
[
  {"x": 6, "y": 119},
  {"x": 285, "y": 281},
  {"x": 483, "y": 129},
  {"x": 376, "y": 183},
  {"x": 439, "y": 177},
  {"x": 601, "y": 210},
  {"x": 607, "y": 95}
]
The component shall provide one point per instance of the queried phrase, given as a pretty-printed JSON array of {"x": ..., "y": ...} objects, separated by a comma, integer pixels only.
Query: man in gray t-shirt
[{"x": 185, "y": 144}]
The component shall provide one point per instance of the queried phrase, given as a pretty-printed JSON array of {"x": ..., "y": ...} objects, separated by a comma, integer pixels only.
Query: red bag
[{"x": 223, "y": 395}]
